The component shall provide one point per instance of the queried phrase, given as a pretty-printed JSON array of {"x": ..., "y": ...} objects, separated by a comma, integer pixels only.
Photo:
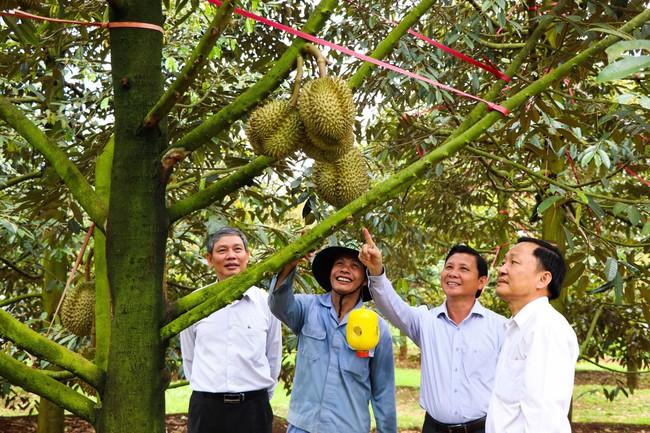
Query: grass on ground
[{"x": 589, "y": 401}]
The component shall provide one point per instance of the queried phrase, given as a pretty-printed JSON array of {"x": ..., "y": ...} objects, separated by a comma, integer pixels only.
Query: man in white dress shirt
[
  {"x": 535, "y": 372},
  {"x": 232, "y": 358}
]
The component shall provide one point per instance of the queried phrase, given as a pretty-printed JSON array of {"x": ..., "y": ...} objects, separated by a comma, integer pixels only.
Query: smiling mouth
[{"x": 343, "y": 279}]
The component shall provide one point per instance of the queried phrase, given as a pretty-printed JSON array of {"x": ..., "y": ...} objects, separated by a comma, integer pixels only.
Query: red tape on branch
[
  {"x": 634, "y": 174},
  {"x": 360, "y": 56},
  {"x": 485, "y": 66},
  {"x": 103, "y": 25}
]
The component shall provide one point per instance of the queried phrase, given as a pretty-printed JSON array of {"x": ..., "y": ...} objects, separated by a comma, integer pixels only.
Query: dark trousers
[
  {"x": 209, "y": 413},
  {"x": 432, "y": 426}
]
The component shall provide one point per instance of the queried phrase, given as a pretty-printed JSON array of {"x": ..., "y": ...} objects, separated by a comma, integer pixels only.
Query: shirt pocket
[
  {"x": 255, "y": 342},
  {"x": 312, "y": 341},
  {"x": 509, "y": 383},
  {"x": 356, "y": 366}
]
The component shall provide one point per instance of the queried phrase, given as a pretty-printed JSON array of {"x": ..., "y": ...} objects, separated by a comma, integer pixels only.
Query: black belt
[
  {"x": 233, "y": 397},
  {"x": 467, "y": 427}
]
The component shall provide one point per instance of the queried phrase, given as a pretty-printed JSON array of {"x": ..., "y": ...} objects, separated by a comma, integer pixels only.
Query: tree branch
[
  {"x": 18, "y": 299},
  {"x": 20, "y": 271},
  {"x": 18, "y": 179},
  {"x": 543, "y": 178},
  {"x": 219, "y": 189},
  {"x": 39, "y": 383},
  {"x": 196, "y": 61},
  {"x": 66, "y": 170},
  {"x": 391, "y": 41},
  {"x": 35, "y": 343}
]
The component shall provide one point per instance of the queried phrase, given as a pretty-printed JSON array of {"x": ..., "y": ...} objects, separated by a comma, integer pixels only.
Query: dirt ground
[{"x": 176, "y": 423}]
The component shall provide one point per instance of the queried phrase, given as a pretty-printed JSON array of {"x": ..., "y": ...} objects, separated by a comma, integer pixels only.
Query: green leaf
[
  {"x": 633, "y": 215},
  {"x": 594, "y": 206},
  {"x": 646, "y": 229},
  {"x": 548, "y": 203},
  {"x": 611, "y": 268},
  {"x": 619, "y": 48},
  {"x": 623, "y": 68},
  {"x": 618, "y": 208},
  {"x": 608, "y": 29},
  {"x": 618, "y": 288}
]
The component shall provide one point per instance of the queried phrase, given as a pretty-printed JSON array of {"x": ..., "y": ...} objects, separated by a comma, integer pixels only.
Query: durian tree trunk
[
  {"x": 136, "y": 230},
  {"x": 50, "y": 416}
]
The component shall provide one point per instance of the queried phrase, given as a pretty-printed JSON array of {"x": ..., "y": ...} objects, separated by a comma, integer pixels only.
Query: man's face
[
  {"x": 229, "y": 257},
  {"x": 347, "y": 274},
  {"x": 520, "y": 276},
  {"x": 460, "y": 278}
]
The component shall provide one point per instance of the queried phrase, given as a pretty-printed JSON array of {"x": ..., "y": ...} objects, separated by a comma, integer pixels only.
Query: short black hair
[
  {"x": 481, "y": 264},
  {"x": 549, "y": 258},
  {"x": 225, "y": 231}
]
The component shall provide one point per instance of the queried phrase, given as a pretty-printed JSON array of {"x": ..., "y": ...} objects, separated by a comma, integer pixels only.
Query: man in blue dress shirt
[
  {"x": 459, "y": 340},
  {"x": 333, "y": 386}
]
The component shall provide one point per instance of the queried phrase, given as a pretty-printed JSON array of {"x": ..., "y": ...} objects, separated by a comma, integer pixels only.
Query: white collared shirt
[
  {"x": 235, "y": 349},
  {"x": 535, "y": 373}
]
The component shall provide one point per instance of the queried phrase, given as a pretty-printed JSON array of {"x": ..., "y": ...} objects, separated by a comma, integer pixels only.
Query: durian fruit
[
  {"x": 87, "y": 352},
  {"x": 342, "y": 146},
  {"x": 78, "y": 309},
  {"x": 275, "y": 129},
  {"x": 328, "y": 154},
  {"x": 327, "y": 110},
  {"x": 340, "y": 182}
]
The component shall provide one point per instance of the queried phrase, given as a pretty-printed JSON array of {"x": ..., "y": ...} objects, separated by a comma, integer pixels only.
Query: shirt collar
[
  {"x": 326, "y": 301},
  {"x": 528, "y": 310},
  {"x": 246, "y": 294},
  {"x": 477, "y": 309}
]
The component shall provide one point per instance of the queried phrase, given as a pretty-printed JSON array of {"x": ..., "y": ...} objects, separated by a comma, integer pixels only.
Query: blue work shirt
[
  {"x": 332, "y": 386},
  {"x": 458, "y": 360}
]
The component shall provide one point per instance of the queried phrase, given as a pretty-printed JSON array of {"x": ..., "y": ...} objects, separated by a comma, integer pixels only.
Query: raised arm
[{"x": 389, "y": 303}]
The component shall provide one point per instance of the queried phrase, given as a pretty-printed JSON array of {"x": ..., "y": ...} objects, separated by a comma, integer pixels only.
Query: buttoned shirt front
[
  {"x": 235, "y": 349},
  {"x": 332, "y": 385},
  {"x": 458, "y": 361},
  {"x": 535, "y": 373}
]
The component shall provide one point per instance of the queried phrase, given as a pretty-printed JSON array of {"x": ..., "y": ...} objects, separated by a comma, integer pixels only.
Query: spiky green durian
[
  {"x": 327, "y": 109},
  {"x": 340, "y": 182},
  {"x": 325, "y": 153},
  {"x": 87, "y": 352},
  {"x": 78, "y": 309},
  {"x": 275, "y": 129}
]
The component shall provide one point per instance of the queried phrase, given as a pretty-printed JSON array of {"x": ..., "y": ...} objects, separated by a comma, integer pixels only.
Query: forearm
[
  {"x": 392, "y": 306},
  {"x": 283, "y": 303}
]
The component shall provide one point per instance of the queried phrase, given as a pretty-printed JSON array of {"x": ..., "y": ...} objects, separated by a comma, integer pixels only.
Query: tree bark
[
  {"x": 50, "y": 415},
  {"x": 137, "y": 226}
]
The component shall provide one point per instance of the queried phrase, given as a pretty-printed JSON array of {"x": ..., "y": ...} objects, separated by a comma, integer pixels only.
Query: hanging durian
[
  {"x": 275, "y": 129},
  {"x": 78, "y": 309},
  {"x": 340, "y": 182},
  {"x": 87, "y": 352},
  {"x": 321, "y": 152},
  {"x": 327, "y": 111}
]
